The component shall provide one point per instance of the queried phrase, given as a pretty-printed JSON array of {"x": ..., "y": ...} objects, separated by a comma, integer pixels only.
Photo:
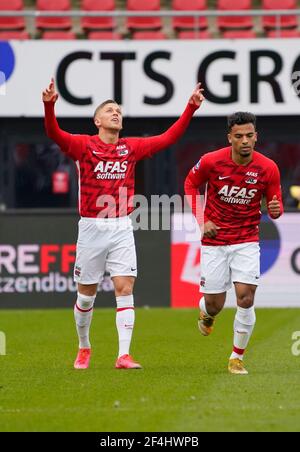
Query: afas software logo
[{"x": 7, "y": 65}]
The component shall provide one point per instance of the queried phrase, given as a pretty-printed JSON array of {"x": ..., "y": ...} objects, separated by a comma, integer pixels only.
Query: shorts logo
[
  {"x": 77, "y": 271},
  {"x": 202, "y": 282}
]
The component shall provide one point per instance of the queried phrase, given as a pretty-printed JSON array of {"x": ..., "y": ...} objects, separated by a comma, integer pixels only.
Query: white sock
[
  {"x": 243, "y": 327},
  {"x": 202, "y": 306},
  {"x": 83, "y": 313},
  {"x": 125, "y": 322}
]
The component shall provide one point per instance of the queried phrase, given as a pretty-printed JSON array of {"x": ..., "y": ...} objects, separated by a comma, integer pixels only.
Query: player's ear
[
  {"x": 97, "y": 122},
  {"x": 229, "y": 138}
]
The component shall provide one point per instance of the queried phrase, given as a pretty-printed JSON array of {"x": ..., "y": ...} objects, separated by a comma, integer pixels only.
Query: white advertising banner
[
  {"x": 151, "y": 79},
  {"x": 280, "y": 263}
]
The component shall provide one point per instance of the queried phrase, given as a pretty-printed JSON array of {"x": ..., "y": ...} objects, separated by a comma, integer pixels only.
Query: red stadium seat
[
  {"x": 149, "y": 35},
  {"x": 142, "y": 23},
  {"x": 7, "y": 35},
  {"x": 270, "y": 22},
  {"x": 12, "y": 23},
  {"x": 201, "y": 34},
  {"x": 233, "y": 22},
  {"x": 239, "y": 34},
  {"x": 284, "y": 34},
  {"x": 58, "y": 23},
  {"x": 61, "y": 35},
  {"x": 98, "y": 23},
  {"x": 188, "y": 23},
  {"x": 104, "y": 35}
]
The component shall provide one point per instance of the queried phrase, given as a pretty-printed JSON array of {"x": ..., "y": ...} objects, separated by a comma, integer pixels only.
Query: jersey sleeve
[
  {"x": 147, "y": 147},
  {"x": 198, "y": 176},
  {"x": 72, "y": 145},
  {"x": 274, "y": 188}
]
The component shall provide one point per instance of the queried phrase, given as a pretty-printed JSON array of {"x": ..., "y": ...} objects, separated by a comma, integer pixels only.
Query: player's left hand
[
  {"x": 50, "y": 94},
  {"x": 197, "y": 97},
  {"x": 274, "y": 207}
]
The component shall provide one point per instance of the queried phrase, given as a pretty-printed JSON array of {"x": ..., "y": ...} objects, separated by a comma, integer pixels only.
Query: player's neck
[
  {"x": 109, "y": 136},
  {"x": 241, "y": 160}
]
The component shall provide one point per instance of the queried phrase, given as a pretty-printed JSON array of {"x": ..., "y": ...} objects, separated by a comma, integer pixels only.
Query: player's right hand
[
  {"x": 50, "y": 94},
  {"x": 197, "y": 96},
  {"x": 210, "y": 230}
]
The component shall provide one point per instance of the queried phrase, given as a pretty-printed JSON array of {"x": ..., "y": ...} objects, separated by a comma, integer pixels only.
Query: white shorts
[
  {"x": 223, "y": 265},
  {"x": 104, "y": 244}
]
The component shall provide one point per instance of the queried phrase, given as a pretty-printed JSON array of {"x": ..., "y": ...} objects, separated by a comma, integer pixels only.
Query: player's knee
[
  {"x": 85, "y": 302},
  {"x": 124, "y": 290},
  {"x": 87, "y": 290},
  {"x": 213, "y": 308},
  {"x": 246, "y": 300},
  {"x": 83, "y": 308}
]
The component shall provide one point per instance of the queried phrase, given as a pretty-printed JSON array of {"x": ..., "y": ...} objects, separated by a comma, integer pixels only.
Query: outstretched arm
[
  {"x": 146, "y": 147},
  {"x": 69, "y": 144}
]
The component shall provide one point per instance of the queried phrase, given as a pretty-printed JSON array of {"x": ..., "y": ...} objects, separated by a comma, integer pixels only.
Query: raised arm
[
  {"x": 71, "y": 145},
  {"x": 146, "y": 147}
]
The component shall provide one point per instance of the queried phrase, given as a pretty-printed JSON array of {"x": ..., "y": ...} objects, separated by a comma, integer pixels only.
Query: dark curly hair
[{"x": 240, "y": 118}]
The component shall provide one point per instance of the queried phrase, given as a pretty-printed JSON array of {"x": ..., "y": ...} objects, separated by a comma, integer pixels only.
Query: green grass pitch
[{"x": 184, "y": 385}]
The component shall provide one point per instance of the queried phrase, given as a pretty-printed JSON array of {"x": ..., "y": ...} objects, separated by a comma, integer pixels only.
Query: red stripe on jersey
[
  {"x": 123, "y": 309},
  {"x": 239, "y": 351},
  {"x": 83, "y": 310}
]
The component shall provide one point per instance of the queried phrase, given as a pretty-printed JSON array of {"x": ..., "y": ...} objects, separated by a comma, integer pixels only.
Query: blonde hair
[{"x": 109, "y": 101}]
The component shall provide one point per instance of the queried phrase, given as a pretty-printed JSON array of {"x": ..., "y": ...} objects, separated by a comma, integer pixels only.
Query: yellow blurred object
[{"x": 295, "y": 193}]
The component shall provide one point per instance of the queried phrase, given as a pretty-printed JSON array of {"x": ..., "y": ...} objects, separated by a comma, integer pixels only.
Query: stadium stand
[
  {"x": 12, "y": 23},
  {"x": 143, "y": 23},
  {"x": 283, "y": 34},
  {"x": 149, "y": 35},
  {"x": 188, "y": 23},
  {"x": 111, "y": 28},
  {"x": 270, "y": 22},
  {"x": 56, "y": 23},
  {"x": 201, "y": 34},
  {"x": 98, "y": 23},
  {"x": 61, "y": 35},
  {"x": 15, "y": 34},
  {"x": 104, "y": 35},
  {"x": 234, "y": 22},
  {"x": 239, "y": 34}
]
